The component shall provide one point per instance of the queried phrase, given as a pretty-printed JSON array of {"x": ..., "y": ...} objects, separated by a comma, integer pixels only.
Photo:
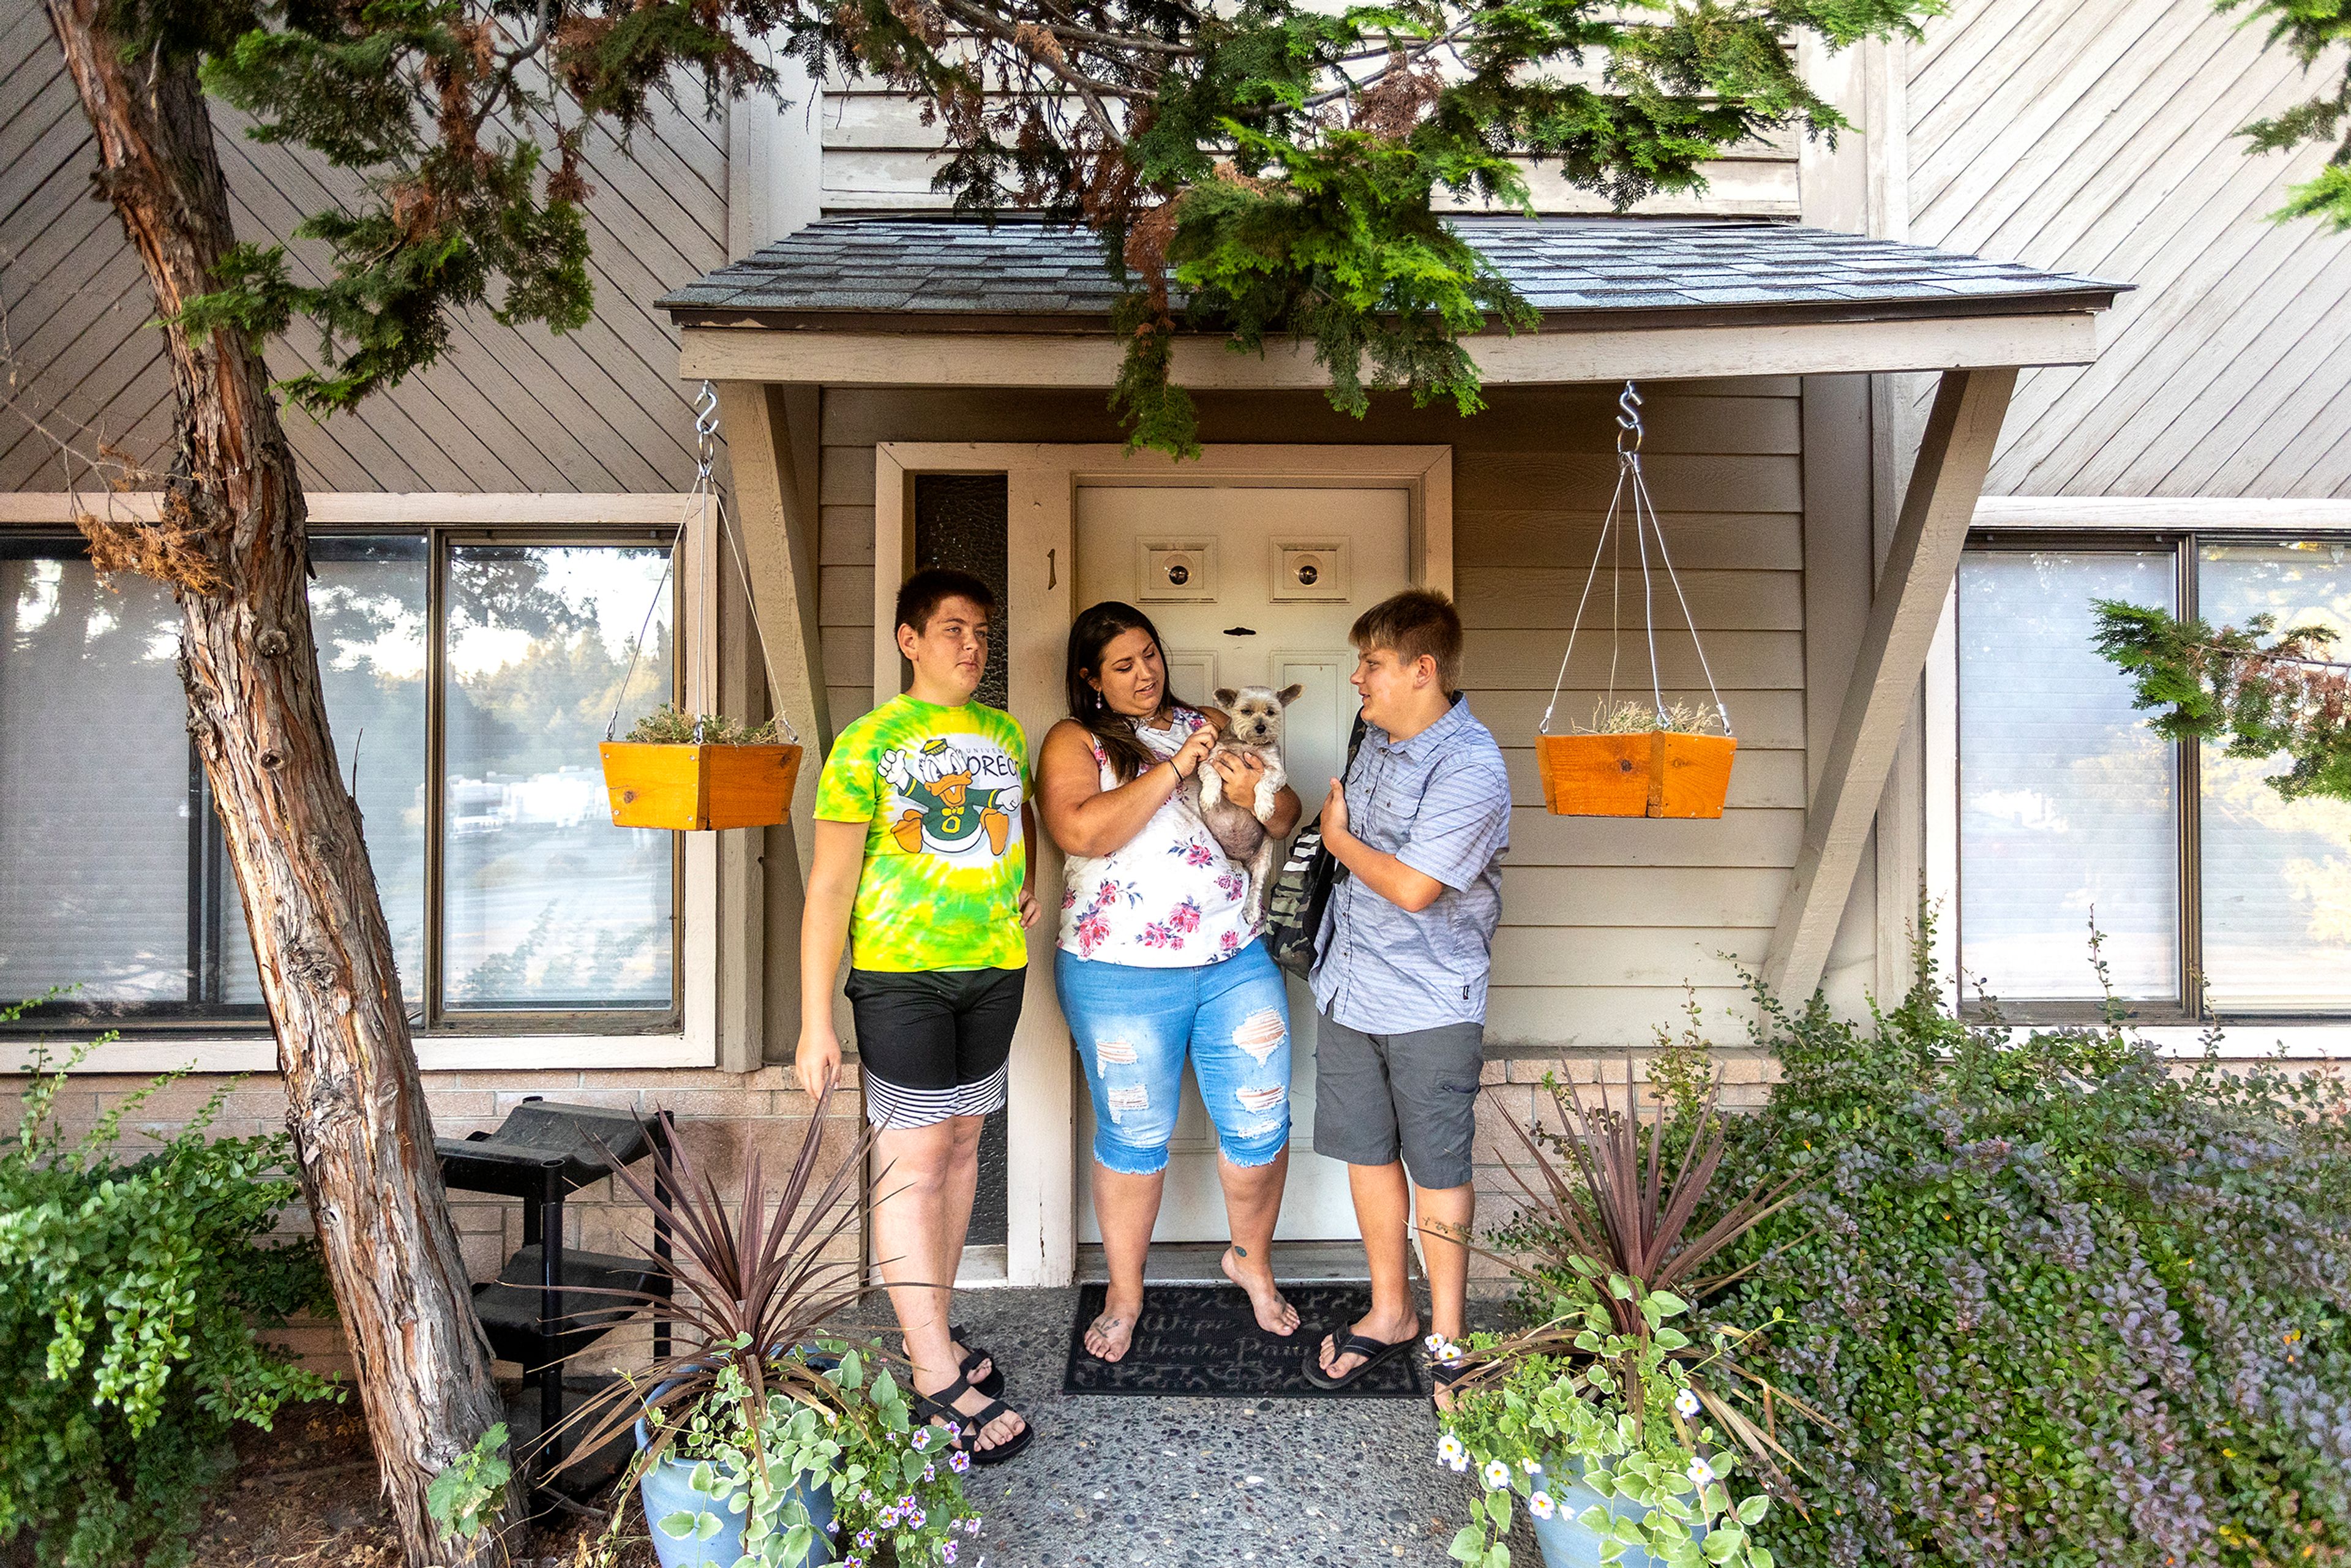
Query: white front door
[{"x": 1249, "y": 587}]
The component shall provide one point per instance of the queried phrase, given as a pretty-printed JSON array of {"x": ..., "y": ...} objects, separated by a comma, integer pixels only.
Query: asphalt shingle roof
[{"x": 951, "y": 273}]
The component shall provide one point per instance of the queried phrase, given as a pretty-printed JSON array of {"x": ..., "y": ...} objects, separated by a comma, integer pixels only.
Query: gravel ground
[{"x": 1137, "y": 1482}]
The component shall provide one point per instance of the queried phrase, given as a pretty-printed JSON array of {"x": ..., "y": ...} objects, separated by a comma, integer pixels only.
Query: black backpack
[{"x": 1293, "y": 913}]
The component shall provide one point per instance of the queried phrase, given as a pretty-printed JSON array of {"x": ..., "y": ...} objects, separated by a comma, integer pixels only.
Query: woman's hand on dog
[
  {"x": 1194, "y": 751},
  {"x": 1241, "y": 771}
]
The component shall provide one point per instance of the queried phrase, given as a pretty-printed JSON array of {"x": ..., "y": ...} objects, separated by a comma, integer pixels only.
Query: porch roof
[
  {"x": 944, "y": 274},
  {"x": 957, "y": 301}
]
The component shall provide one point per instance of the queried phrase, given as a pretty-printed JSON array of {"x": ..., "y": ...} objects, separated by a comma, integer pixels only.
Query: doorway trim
[{"x": 1041, "y": 484}]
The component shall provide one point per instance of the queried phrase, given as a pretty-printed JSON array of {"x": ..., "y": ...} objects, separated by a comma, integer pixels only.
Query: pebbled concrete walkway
[{"x": 1137, "y": 1482}]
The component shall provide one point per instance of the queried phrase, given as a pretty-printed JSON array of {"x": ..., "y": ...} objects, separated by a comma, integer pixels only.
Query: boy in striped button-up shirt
[{"x": 1420, "y": 824}]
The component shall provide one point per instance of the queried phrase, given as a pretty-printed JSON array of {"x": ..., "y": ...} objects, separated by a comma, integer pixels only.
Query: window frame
[
  {"x": 2185, "y": 1021},
  {"x": 228, "y": 1035}
]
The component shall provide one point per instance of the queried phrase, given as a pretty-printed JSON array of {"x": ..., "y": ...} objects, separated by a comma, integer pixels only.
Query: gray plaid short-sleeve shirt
[{"x": 1439, "y": 802}]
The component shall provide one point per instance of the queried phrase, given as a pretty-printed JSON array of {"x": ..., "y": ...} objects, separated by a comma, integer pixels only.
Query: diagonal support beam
[
  {"x": 1923, "y": 559},
  {"x": 771, "y": 444}
]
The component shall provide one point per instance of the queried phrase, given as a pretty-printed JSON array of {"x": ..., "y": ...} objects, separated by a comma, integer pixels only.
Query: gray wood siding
[
  {"x": 879, "y": 156},
  {"x": 1604, "y": 921},
  {"x": 2100, "y": 138},
  {"x": 508, "y": 409}
]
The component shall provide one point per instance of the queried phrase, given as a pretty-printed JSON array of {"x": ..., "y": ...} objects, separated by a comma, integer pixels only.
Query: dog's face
[{"x": 1256, "y": 712}]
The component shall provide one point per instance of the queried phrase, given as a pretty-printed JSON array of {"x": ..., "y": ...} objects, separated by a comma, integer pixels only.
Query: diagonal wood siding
[
  {"x": 508, "y": 409},
  {"x": 2100, "y": 138}
]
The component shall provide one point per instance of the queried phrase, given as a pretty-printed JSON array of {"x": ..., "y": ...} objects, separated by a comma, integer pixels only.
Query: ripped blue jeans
[{"x": 1133, "y": 1026}]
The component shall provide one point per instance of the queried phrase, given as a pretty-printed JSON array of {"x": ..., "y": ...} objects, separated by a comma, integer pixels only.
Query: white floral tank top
[{"x": 1166, "y": 899}]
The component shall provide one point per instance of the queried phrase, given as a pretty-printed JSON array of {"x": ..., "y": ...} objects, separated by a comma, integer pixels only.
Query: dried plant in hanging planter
[
  {"x": 1640, "y": 719},
  {"x": 1638, "y": 760},
  {"x": 670, "y": 724},
  {"x": 2261, "y": 691}
]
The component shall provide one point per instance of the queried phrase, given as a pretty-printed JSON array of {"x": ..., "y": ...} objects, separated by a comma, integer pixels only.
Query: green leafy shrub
[
  {"x": 130, "y": 1293},
  {"x": 2067, "y": 1302}
]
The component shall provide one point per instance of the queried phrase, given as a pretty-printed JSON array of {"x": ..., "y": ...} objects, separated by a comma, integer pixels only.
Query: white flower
[
  {"x": 1541, "y": 1505},
  {"x": 921, "y": 1439},
  {"x": 1449, "y": 1448},
  {"x": 1700, "y": 1471},
  {"x": 1685, "y": 1402},
  {"x": 1529, "y": 1465},
  {"x": 1497, "y": 1474},
  {"x": 1459, "y": 1462},
  {"x": 1436, "y": 1343}
]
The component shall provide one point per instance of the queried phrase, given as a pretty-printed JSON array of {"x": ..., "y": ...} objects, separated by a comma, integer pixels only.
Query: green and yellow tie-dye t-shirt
[{"x": 939, "y": 790}]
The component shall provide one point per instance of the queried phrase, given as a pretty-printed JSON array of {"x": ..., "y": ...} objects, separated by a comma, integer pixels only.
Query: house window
[
  {"x": 2212, "y": 895},
  {"x": 468, "y": 680}
]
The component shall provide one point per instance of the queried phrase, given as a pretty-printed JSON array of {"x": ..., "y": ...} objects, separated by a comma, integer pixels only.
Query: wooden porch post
[
  {"x": 1920, "y": 564},
  {"x": 770, "y": 435}
]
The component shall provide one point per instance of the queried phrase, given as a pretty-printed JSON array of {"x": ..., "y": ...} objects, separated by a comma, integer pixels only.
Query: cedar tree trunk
[{"x": 231, "y": 546}]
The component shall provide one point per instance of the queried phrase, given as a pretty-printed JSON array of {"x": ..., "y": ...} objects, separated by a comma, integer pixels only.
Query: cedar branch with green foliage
[
  {"x": 2312, "y": 31},
  {"x": 2261, "y": 691},
  {"x": 1281, "y": 168}
]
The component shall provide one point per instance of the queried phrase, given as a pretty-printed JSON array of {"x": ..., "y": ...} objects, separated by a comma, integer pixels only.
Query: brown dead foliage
[
  {"x": 1395, "y": 102},
  {"x": 1034, "y": 39},
  {"x": 174, "y": 549}
]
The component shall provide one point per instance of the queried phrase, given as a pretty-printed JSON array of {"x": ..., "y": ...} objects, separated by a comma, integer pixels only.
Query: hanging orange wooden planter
[
  {"x": 694, "y": 788},
  {"x": 1653, "y": 773},
  {"x": 697, "y": 784},
  {"x": 1617, "y": 770}
]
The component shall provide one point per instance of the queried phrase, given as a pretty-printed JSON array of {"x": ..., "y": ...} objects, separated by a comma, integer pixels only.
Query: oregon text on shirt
[{"x": 1439, "y": 802}]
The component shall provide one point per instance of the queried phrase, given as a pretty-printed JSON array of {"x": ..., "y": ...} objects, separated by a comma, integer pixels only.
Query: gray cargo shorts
[{"x": 1416, "y": 1093}]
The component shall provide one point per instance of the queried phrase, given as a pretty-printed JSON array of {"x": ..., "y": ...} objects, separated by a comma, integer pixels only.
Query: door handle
[{"x": 1240, "y": 631}]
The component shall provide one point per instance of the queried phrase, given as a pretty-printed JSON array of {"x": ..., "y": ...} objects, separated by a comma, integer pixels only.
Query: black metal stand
[{"x": 550, "y": 1301}]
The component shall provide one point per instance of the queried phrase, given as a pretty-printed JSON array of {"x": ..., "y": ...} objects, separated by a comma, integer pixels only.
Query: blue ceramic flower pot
[
  {"x": 667, "y": 1488},
  {"x": 1568, "y": 1544}
]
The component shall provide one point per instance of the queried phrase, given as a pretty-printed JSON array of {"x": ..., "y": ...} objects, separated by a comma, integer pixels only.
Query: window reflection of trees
[
  {"x": 2067, "y": 802},
  {"x": 2276, "y": 872},
  {"x": 546, "y": 905},
  {"x": 120, "y": 882}
]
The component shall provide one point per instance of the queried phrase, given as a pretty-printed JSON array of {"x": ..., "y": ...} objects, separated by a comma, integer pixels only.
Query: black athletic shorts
[{"x": 935, "y": 1043}]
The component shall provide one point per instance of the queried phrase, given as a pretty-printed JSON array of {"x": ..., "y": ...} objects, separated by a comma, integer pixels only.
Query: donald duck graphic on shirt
[{"x": 940, "y": 809}]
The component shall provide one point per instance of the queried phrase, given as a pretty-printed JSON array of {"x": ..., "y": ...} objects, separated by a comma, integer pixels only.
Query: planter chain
[
  {"x": 1631, "y": 481},
  {"x": 706, "y": 498}
]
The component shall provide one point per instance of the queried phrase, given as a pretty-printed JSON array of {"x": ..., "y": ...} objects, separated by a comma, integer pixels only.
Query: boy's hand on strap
[
  {"x": 1409, "y": 890},
  {"x": 1334, "y": 813}
]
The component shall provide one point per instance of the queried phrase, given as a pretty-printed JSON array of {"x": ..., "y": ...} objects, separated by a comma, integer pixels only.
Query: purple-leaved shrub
[{"x": 2069, "y": 1303}]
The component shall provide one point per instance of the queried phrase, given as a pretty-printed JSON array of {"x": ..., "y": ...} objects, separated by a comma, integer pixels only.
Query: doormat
[{"x": 1202, "y": 1340}]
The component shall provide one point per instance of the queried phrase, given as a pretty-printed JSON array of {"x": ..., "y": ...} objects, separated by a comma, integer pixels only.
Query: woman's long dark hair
[{"x": 1094, "y": 629}]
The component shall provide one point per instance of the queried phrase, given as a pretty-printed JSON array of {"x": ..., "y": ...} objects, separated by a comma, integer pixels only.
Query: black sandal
[
  {"x": 941, "y": 1407},
  {"x": 1373, "y": 1351},
  {"x": 1442, "y": 1376},
  {"x": 993, "y": 1384}
]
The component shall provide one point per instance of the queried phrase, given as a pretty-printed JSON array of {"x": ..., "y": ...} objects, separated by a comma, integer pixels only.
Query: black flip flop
[
  {"x": 941, "y": 1407},
  {"x": 1442, "y": 1376},
  {"x": 1373, "y": 1351},
  {"x": 993, "y": 1384}
]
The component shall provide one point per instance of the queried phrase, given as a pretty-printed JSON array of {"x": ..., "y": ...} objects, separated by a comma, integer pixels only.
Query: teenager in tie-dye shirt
[{"x": 922, "y": 827}]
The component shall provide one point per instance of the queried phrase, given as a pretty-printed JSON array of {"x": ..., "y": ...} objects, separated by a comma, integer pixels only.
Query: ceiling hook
[
  {"x": 705, "y": 430},
  {"x": 1628, "y": 419}
]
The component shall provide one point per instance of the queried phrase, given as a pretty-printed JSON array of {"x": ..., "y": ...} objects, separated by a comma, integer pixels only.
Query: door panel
[{"x": 1249, "y": 587}]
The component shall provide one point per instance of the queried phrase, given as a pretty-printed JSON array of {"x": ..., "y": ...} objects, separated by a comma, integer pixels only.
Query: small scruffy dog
[{"x": 1254, "y": 713}]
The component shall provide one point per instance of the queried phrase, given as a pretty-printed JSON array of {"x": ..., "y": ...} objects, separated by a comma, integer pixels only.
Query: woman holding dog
[{"x": 1159, "y": 958}]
